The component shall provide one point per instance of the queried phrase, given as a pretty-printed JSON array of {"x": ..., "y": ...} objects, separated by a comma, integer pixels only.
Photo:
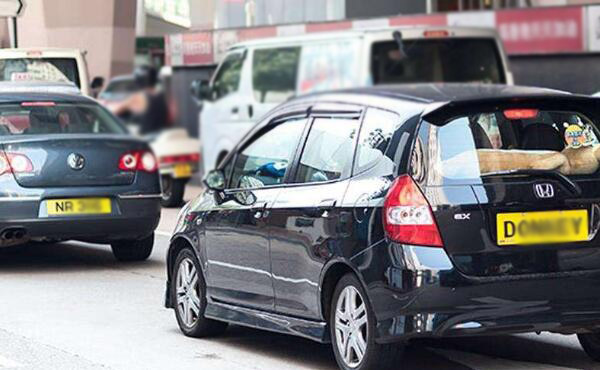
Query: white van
[
  {"x": 255, "y": 76},
  {"x": 49, "y": 65}
]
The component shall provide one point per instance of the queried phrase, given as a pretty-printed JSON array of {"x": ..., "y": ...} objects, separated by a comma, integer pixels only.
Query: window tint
[
  {"x": 274, "y": 73},
  {"x": 34, "y": 118},
  {"x": 375, "y": 135},
  {"x": 329, "y": 150},
  {"x": 330, "y": 65},
  {"x": 228, "y": 76},
  {"x": 442, "y": 60},
  {"x": 265, "y": 161},
  {"x": 479, "y": 144},
  {"x": 40, "y": 69}
]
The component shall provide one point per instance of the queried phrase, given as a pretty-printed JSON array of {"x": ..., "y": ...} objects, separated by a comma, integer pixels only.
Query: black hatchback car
[
  {"x": 370, "y": 217},
  {"x": 70, "y": 171}
]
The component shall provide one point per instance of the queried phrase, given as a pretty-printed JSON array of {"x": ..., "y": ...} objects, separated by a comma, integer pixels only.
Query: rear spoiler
[{"x": 442, "y": 112}]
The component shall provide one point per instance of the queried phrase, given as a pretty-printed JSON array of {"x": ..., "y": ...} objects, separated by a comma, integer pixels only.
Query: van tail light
[
  {"x": 139, "y": 160},
  {"x": 14, "y": 163},
  {"x": 408, "y": 217}
]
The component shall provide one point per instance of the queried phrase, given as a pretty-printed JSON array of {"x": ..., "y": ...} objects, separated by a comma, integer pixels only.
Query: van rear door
[{"x": 514, "y": 184}]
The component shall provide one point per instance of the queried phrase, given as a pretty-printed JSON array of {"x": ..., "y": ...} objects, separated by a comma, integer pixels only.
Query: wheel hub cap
[
  {"x": 187, "y": 289},
  {"x": 351, "y": 327}
]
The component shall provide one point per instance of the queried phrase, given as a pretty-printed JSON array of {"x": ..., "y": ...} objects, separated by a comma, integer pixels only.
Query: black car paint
[
  {"x": 414, "y": 291},
  {"x": 135, "y": 196}
]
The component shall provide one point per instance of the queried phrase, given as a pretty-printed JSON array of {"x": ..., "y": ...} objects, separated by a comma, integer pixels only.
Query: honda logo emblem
[{"x": 544, "y": 191}]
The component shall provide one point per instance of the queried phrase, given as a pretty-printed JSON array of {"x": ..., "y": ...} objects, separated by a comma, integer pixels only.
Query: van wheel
[
  {"x": 133, "y": 250},
  {"x": 172, "y": 191},
  {"x": 188, "y": 293},
  {"x": 591, "y": 344},
  {"x": 352, "y": 325}
]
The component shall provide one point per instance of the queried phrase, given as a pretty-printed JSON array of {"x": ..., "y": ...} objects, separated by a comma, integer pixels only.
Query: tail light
[
  {"x": 408, "y": 217},
  {"x": 139, "y": 160},
  {"x": 15, "y": 163},
  {"x": 194, "y": 157},
  {"x": 514, "y": 114}
]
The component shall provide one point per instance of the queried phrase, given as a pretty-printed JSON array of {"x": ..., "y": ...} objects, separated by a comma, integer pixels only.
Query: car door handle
[
  {"x": 259, "y": 209},
  {"x": 325, "y": 206},
  {"x": 250, "y": 111},
  {"x": 235, "y": 110}
]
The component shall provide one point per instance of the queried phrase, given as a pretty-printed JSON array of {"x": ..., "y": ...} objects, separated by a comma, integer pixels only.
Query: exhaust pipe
[{"x": 13, "y": 234}]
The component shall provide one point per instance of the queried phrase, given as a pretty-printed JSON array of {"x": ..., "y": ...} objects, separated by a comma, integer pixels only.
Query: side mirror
[
  {"x": 200, "y": 90},
  {"x": 215, "y": 180},
  {"x": 97, "y": 83}
]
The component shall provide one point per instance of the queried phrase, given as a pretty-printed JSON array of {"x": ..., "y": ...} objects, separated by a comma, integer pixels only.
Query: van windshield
[
  {"x": 40, "y": 69},
  {"x": 474, "y": 146},
  {"x": 437, "y": 60}
]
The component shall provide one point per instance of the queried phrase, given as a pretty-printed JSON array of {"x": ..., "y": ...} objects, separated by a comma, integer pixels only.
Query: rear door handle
[
  {"x": 325, "y": 206},
  {"x": 250, "y": 111},
  {"x": 259, "y": 209}
]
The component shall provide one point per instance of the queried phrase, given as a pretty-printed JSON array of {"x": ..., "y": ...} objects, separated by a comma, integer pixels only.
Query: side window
[
  {"x": 228, "y": 76},
  {"x": 266, "y": 160},
  {"x": 375, "y": 135},
  {"x": 274, "y": 73},
  {"x": 329, "y": 150}
]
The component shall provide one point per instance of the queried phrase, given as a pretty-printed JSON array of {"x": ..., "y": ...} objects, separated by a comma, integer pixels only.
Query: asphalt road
[{"x": 72, "y": 306}]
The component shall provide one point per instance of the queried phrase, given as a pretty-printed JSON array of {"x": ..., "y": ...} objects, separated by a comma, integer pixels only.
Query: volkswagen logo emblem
[
  {"x": 76, "y": 161},
  {"x": 544, "y": 191}
]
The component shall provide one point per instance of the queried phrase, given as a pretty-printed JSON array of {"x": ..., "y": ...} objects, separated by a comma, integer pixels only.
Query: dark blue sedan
[{"x": 70, "y": 171}]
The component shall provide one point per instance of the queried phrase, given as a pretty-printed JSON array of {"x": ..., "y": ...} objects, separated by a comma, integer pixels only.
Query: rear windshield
[
  {"x": 44, "y": 118},
  {"x": 488, "y": 143},
  {"x": 40, "y": 69},
  {"x": 437, "y": 60}
]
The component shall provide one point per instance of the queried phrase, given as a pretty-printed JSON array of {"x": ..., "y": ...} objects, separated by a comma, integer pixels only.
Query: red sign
[
  {"x": 541, "y": 30},
  {"x": 197, "y": 48},
  {"x": 328, "y": 26}
]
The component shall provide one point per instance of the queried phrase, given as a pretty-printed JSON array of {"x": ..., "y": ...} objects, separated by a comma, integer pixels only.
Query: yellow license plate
[
  {"x": 542, "y": 227},
  {"x": 182, "y": 170},
  {"x": 78, "y": 206}
]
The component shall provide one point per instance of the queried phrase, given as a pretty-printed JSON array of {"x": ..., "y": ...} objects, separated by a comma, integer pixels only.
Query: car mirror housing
[
  {"x": 200, "y": 90},
  {"x": 97, "y": 83},
  {"x": 215, "y": 180}
]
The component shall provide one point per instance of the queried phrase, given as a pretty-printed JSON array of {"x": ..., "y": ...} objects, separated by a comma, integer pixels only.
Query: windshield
[
  {"x": 437, "y": 60},
  {"x": 40, "y": 69},
  {"x": 43, "y": 118},
  {"x": 495, "y": 142}
]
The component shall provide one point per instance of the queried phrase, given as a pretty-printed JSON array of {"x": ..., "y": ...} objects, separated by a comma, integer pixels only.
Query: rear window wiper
[{"x": 572, "y": 186}]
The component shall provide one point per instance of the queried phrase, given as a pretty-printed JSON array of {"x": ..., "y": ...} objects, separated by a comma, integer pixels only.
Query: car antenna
[{"x": 400, "y": 41}]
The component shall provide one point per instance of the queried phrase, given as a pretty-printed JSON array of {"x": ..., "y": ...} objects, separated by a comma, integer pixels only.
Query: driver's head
[{"x": 145, "y": 77}]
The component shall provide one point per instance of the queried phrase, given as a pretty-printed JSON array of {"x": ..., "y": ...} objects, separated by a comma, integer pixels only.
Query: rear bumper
[
  {"x": 133, "y": 217},
  {"x": 421, "y": 294}
]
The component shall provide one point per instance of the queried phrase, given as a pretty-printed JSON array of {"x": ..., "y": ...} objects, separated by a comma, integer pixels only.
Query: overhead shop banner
[
  {"x": 190, "y": 49},
  {"x": 593, "y": 25},
  {"x": 542, "y": 30}
]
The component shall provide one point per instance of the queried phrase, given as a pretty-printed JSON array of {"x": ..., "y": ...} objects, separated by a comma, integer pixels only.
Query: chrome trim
[
  {"x": 20, "y": 199},
  {"x": 140, "y": 196}
]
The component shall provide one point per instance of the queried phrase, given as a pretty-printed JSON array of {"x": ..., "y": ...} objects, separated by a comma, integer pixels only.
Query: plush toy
[{"x": 581, "y": 155}]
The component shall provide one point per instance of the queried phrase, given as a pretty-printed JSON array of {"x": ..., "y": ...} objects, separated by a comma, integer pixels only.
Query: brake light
[
  {"x": 38, "y": 104},
  {"x": 520, "y": 113},
  {"x": 139, "y": 160},
  {"x": 15, "y": 163},
  {"x": 436, "y": 33},
  {"x": 194, "y": 157},
  {"x": 408, "y": 218}
]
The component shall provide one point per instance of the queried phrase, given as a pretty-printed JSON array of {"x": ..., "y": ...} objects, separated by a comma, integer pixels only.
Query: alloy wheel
[
  {"x": 351, "y": 327},
  {"x": 187, "y": 292}
]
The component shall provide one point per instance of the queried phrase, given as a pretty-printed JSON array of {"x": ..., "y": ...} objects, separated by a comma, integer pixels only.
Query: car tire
[
  {"x": 354, "y": 332},
  {"x": 591, "y": 344},
  {"x": 133, "y": 250},
  {"x": 188, "y": 294},
  {"x": 172, "y": 191}
]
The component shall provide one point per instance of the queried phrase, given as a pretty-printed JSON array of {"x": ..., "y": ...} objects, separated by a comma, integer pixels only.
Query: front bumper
[
  {"x": 133, "y": 217},
  {"x": 416, "y": 292}
]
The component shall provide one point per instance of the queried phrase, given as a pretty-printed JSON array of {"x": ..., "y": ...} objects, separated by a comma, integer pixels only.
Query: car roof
[
  {"x": 16, "y": 97},
  {"x": 428, "y": 93},
  {"x": 317, "y": 36}
]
